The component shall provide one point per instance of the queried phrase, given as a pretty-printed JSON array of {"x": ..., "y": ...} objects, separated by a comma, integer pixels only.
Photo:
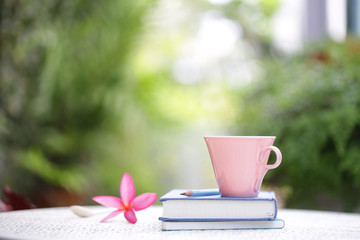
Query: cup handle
[
  {"x": 278, "y": 157},
  {"x": 267, "y": 167}
]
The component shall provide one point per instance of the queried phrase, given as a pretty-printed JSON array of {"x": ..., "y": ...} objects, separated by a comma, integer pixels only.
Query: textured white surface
[{"x": 60, "y": 223}]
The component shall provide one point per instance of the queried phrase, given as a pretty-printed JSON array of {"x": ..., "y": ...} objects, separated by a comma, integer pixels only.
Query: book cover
[
  {"x": 177, "y": 207},
  {"x": 222, "y": 225}
]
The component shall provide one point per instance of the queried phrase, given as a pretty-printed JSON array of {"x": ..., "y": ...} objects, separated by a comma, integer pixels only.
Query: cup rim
[{"x": 239, "y": 136}]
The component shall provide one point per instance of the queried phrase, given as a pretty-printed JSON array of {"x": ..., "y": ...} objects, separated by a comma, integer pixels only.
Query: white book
[
  {"x": 222, "y": 225},
  {"x": 217, "y": 208}
]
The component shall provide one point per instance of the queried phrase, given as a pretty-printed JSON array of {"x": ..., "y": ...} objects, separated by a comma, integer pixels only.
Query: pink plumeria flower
[{"x": 128, "y": 203}]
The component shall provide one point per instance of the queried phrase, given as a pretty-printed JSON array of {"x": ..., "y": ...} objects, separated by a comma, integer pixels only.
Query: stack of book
[{"x": 215, "y": 212}]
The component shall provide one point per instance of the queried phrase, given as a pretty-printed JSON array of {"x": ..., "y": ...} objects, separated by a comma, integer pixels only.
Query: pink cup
[{"x": 240, "y": 163}]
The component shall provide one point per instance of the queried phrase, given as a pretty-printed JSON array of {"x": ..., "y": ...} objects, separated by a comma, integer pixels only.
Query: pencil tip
[{"x": 184, "y": 193}]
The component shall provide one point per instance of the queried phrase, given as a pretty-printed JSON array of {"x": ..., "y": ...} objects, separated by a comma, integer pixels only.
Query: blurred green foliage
[
  {"x": 311, "y": 102},
  {"x": 65, "y": 93}
]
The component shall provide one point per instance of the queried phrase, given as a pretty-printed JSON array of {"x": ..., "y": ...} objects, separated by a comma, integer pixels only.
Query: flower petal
[
  {"x": 111, "y": 215},
  {"x": 144, "y": 200},
  {"x": 130, "y": 216},
  {"x": 127, "y": 189},
  {"x": 109, "y": 201}
]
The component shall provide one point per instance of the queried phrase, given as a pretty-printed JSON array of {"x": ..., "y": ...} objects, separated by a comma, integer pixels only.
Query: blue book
[
  {"x": 222, "y": 225},
  {"x": 177, "y": 207}
]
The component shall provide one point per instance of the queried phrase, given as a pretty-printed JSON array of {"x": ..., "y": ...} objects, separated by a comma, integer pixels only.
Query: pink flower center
[{"x": 127, "y": 205}]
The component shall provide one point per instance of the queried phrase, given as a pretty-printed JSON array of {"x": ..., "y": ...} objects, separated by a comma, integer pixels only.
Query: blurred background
[{"x": 91, "y": 89}]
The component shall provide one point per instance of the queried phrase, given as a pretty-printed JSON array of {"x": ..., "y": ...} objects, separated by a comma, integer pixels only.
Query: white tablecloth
[{"x": 60, "y": 223}]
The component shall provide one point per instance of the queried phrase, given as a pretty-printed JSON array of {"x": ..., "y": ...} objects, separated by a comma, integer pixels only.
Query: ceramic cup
[{"x": 240, "y": 163}]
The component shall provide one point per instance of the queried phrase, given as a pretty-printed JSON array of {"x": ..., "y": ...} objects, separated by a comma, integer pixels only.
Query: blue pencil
[{"x": 202, "y": 192}]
